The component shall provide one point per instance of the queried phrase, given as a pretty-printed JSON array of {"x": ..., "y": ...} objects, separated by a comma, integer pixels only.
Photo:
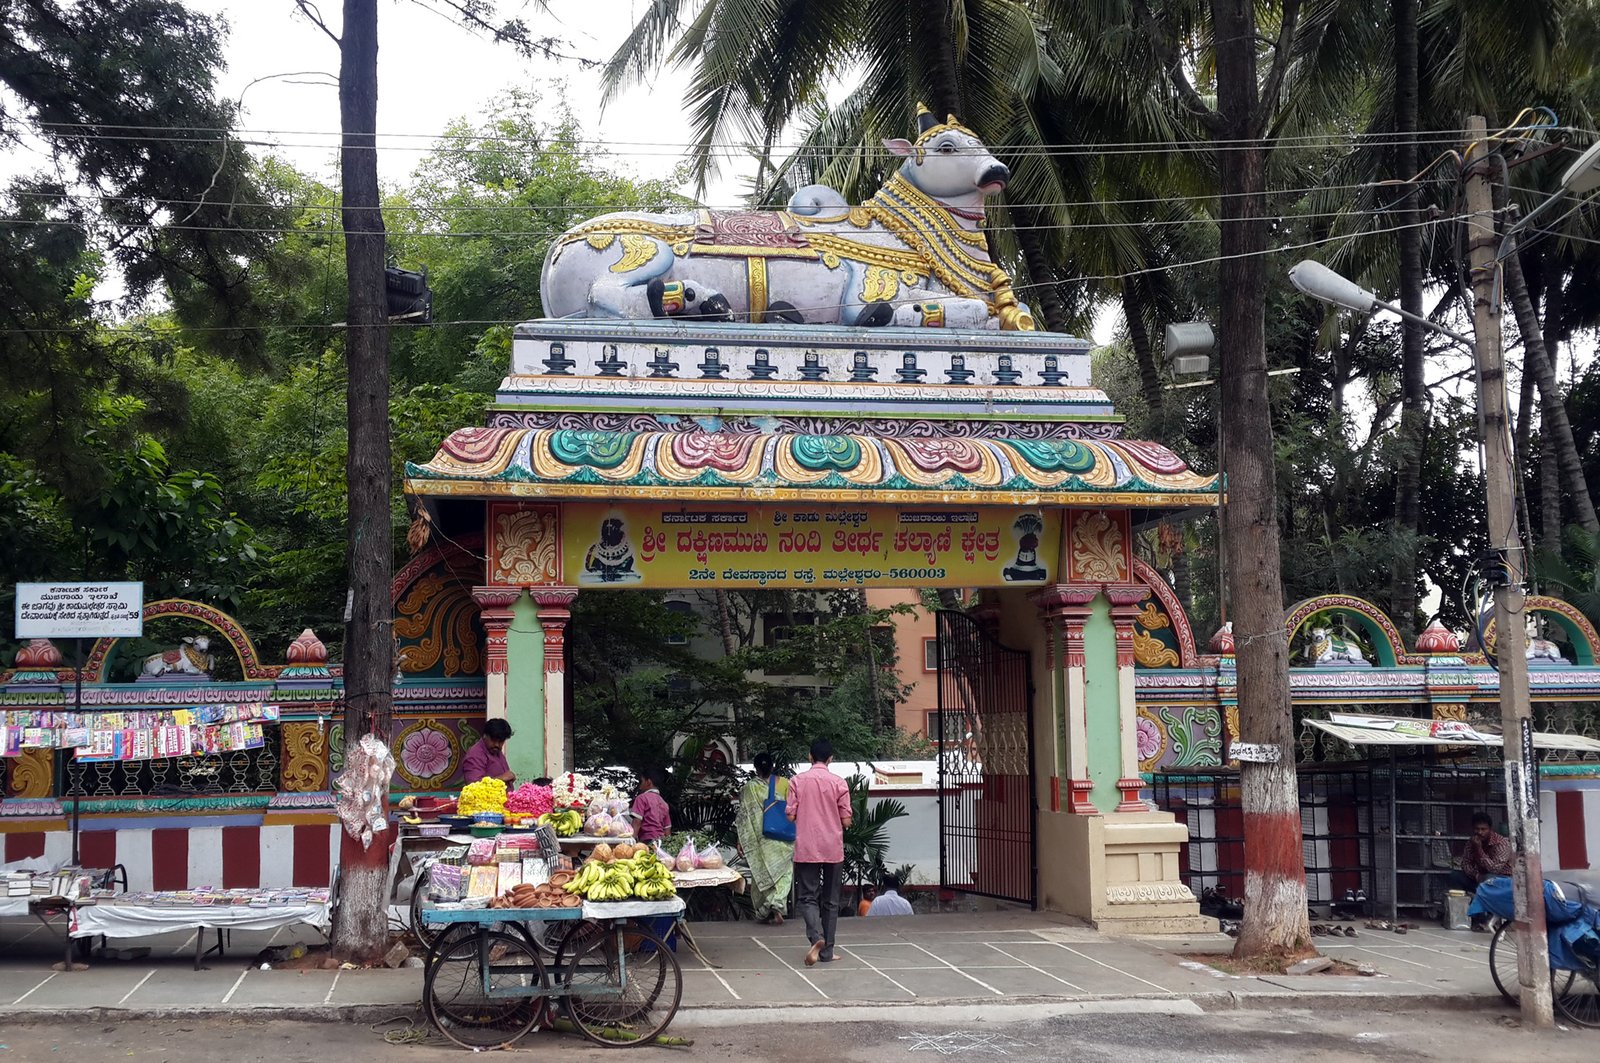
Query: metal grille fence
[{"x": 987, "y": 804}]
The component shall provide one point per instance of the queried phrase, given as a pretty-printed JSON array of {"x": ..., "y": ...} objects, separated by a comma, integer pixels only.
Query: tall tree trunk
[
  {"x": 1549, "y": 498},
  {"x": 1275, "y": 886},
  {"x": 362, "y": 927},
  {"x": 936, "y": 36},
  {"x": 1413, "y": 385},
  {"x": 1553, "y": 407},
  {"x": 1041, "y": 294},
  {"x": 1133, "y": 309},
  {"x": 730, "y": 642},
  {"x": 1549, "y": 479}
]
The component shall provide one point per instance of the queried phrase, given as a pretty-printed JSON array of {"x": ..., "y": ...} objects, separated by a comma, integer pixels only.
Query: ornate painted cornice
[{"x": 704, "y": 465}]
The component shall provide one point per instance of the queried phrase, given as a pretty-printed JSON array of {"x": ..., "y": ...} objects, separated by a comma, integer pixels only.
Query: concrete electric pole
[{"x": 1507, "y": 573}]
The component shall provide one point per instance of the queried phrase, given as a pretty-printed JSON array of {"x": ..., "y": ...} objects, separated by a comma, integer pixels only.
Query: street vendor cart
[{"x": 494, "y": 974}]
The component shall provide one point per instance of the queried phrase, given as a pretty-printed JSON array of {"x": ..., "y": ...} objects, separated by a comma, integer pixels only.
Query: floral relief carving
[
  {"x": 305, "y": 758},
  {"x": 32, "y": 774},
  {"x": 1151, "y": 652},
  {"x": 1097, "y": 549},
  {"x": 526, "y": 548},
  {"x": 427, "y": 754},
  {"x": 1152, "y": 619}
]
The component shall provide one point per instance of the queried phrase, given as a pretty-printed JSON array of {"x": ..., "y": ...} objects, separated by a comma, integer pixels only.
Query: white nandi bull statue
[
  {"x": 194, "y": 657},
  {"x": 1327, "y": 648},
  {"x": 915, "y": 254}
]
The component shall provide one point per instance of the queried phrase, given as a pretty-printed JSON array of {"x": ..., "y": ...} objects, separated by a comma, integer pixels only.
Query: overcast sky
[{"x": 431, "y": 71}]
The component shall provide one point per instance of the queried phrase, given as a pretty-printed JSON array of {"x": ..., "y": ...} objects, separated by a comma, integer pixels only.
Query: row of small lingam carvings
[{"x": 761, "y": 367}]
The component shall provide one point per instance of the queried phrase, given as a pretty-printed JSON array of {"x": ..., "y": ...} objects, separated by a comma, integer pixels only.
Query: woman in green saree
[{"x": 771, "y": 861}]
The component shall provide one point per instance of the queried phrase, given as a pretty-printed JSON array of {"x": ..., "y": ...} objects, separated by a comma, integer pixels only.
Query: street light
[{"x": 1320, "y": 282}]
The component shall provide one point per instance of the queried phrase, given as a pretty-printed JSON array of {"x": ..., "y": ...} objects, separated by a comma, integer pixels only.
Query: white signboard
[
  {"x": 80, "y": 610},
  {"x": 1255, "y": 753}
]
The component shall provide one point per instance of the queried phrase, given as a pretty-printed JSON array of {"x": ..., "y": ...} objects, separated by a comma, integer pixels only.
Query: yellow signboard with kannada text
[{"x": 680, "y": 547}]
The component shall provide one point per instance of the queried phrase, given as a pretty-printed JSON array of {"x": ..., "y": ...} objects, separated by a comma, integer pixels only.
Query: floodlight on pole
[
  {"x": 1318, "y": 281},
  {"x": 1189, "y": 345},
  {"x": 1583, "y": 176}
]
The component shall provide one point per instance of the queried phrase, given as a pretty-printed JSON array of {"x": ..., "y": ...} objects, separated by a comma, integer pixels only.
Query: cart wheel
[
  {"x": 623, "y": 988},
  {"x": 445, "y": 937},
  {"x": 426, "y": 935},
  {"x": 1580, "y": 1000},
  {"x": 1503, "y": 966},
  {"x": 570, "y": 938},
  {"x": 485, "y": 989}
]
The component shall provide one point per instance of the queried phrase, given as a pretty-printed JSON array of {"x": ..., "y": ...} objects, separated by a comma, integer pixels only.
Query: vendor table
[
  {"x": 140, "y": 920},
  {"x": 613, "y": 976}
]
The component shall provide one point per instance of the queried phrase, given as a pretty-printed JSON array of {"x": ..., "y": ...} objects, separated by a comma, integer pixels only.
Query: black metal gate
[{"x": 987, "y": 803}]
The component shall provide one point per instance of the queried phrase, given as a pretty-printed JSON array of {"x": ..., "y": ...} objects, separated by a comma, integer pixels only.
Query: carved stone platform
[{"x": 1024, "y": 385}]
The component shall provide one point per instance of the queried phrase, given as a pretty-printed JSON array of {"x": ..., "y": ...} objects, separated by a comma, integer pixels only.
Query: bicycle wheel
[
  {"x": 623, "y": 987},
  {"x": 1503, "y": 966},
  {"x": 1579, "y": 1002},
  {"x": 1503, "y": 962},
  {"x": 453, "y": 991}
]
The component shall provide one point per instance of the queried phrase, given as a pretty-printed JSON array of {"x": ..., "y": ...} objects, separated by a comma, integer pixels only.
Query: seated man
[
  {"x": 486, "y": 758},
  {"x": 888, "y": 900},
  {"x": 1485, "y": 855}
]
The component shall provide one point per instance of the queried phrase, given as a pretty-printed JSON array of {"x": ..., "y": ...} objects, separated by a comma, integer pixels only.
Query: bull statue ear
[
  {"x": 900, "y": 146},
  {"x": 188, "y": 640},
  {"x": 925, "y": 119}
]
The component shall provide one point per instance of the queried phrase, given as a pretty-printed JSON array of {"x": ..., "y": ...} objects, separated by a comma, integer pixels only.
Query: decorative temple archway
[
  {"x": 94, "y": 667},
  {"x": 1579, "y": 632},
  {"x": 1379, "y": 630}
]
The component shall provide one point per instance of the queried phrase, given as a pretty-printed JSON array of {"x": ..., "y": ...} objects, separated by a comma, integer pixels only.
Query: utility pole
[{"x": 1522, "y": 780}]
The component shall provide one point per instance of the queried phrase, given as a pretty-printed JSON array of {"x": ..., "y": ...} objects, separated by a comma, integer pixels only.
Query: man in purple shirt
[
  {"x": 486, "y": 759},
  {"x": 652, "y": 819},
  {"x": 819, "y": 805}
]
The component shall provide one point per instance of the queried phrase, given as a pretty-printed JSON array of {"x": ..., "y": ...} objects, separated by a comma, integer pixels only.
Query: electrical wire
[
  {"x": 1089, "y": 279},
  {"x": 1209, "y": 222},
  {"x": 731, "y": 150},
  {"x": 490, "y": 208}
]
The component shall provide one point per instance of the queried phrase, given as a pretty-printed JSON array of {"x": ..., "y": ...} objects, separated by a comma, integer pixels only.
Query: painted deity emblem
[{"x": 609, "y": 558}]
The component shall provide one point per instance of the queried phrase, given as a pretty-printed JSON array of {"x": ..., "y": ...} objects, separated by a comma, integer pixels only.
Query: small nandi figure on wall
[
  {"x": 1328, "y": 650},
  {"x": 192, "y": 658}
]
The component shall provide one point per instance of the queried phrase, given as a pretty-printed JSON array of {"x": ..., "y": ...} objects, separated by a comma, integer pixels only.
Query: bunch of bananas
[
  {"x": 566, "y": 824},
  {"x": 485, "y": 795},
  {"x": 642, "y": 877}
]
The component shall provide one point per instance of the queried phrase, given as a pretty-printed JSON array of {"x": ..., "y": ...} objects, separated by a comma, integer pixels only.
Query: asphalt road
[{"x": 1266, "y": 1036}]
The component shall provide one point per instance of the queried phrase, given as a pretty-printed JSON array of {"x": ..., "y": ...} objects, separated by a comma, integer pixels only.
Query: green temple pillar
[
  {"x": 514, "y": 662},
  {"x": 552, "y": 609}
]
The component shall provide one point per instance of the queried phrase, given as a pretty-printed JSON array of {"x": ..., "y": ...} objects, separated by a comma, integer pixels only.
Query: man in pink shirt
[{"x": 819, "y": 805}]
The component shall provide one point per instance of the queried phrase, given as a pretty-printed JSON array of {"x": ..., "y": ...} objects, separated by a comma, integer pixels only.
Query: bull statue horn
[{"x": 925, "y": 119}]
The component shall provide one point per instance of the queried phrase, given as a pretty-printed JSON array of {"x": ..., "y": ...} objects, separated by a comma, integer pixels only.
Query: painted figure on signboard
[
  {"x": 610, "y": 557},
  {"x": 1026, "y": 568},
  {"x": 916, "y": 254}
]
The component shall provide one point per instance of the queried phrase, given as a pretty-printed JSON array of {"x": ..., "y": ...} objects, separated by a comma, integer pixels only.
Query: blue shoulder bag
[{"x": 775, "y": 821}]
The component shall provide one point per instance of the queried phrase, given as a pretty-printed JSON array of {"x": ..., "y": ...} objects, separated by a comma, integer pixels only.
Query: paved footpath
[{"x": 974, "y": 960}]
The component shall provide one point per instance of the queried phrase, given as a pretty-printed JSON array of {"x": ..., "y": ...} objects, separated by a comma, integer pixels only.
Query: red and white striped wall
[
  {"x": 1569, "y": 835},
  {"x": 182, "y": 857}
]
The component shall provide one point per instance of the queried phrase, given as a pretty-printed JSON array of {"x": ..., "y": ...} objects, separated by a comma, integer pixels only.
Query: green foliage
[
  {"x": 866, "y": 840},
  {"x": 1575, "y": 570}
]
